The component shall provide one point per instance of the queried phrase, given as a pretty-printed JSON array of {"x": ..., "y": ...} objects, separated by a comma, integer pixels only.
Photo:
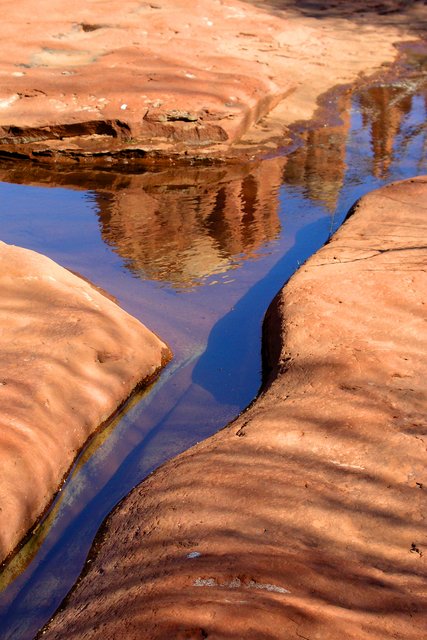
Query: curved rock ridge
[
  {"x": 304, "y": 518},
  {"x": 104, "y": 81},
  {"x": 69, "y": 357}
]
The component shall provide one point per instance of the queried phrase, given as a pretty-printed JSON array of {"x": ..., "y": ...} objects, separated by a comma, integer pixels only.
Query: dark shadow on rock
[{"x": 408, "y": 14}]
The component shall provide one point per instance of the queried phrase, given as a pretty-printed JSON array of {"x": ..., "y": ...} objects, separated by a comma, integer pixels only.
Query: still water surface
[{"x": 197, "y": 254}]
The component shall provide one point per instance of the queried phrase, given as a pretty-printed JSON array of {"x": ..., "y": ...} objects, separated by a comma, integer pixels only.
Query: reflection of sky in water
[{"x": 213, "y": 328}]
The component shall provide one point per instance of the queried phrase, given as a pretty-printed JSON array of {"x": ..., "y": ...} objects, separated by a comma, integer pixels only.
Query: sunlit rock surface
[
  {"x": 306, "y": 516},
  {"x": 183, "y": 224},
  {"x": 104, "y": 81},
  {"x": 69, "y": 357}
]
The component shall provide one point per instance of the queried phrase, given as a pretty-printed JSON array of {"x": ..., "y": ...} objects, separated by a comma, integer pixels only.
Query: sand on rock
[
  {"x": 127, "y": 81},
  {"x": 69, "y": 357},
  {"x": 304, "y": 518}
]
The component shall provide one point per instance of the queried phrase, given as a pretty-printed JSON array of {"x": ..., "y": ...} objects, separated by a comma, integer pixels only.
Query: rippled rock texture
[
  {"x": 305, "y": 518},
  {"x": 130, "y": 80},
  {"x": 69, "y": 357}
]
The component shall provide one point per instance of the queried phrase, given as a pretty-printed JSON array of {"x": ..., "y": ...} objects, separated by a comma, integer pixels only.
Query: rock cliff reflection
[
  {"x": 319, "y": 165},
  {"x": 193, "y": 224},
  {"x": 189, "y": 224},
  {"x": 186, "y": 226},
  {"x": 385, "y": 110}
]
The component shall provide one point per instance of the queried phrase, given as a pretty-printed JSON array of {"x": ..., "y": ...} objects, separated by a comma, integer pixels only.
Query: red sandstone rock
[
  {"x": 305, "y": 518},
  {"x": 68, "y": 358},
  {"x": 96, "y": 81}
]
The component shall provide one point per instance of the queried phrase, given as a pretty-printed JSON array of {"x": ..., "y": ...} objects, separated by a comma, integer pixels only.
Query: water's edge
[{"x": 275, "y": 273}]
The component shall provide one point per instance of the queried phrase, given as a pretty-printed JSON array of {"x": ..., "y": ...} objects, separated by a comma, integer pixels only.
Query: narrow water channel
[{"x": 197, "y": 254}]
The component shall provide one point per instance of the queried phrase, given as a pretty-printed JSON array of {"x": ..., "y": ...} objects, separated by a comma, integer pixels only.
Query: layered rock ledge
[
  {"x": 131, "y": 81},
  {"x": 304, "y": 518},
  {"x": 69, "y": 358}
]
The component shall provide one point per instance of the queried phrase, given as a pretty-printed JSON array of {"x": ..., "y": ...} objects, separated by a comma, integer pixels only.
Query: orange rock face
[
  {"x": 122, "y": 80},
  {"x": 305, "y": 518},
  {"x": 69, "y": 358}
]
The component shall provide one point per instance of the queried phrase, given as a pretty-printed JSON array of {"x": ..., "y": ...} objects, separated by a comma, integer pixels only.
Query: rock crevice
[{"x": 305, "y": 517}]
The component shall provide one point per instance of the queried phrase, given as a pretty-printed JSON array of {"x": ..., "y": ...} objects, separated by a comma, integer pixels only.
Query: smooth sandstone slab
[
  {"x": 305, "y": 518},
  {"x": 69, "y": 357},
  {"x": 118, "y": 81}
]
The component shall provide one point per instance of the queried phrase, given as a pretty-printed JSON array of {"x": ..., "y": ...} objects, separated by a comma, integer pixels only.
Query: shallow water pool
[{"x": 197, "y": 254}]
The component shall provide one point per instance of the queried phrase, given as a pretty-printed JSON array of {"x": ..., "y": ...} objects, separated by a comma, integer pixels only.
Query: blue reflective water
[{"x": 197, "y": 255}]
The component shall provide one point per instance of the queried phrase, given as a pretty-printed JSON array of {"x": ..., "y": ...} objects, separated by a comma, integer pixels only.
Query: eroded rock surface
[
  {"x": 69, "y": 357},
  {"x": 122, "y": 80},
  {"x": 305, "y": 518}
]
